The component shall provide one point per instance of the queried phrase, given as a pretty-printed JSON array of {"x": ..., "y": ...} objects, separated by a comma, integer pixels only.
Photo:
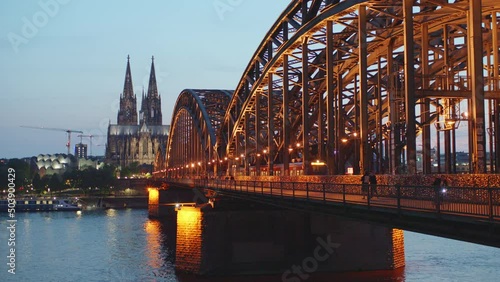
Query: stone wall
[
  {"x": 215, "y": 242},
  {"x": 398, "y": 248},
  {"x": 361, "y": 246},
  {"x": 188, "y": 253}
]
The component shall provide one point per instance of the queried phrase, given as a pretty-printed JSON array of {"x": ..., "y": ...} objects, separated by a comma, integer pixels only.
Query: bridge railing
[{"x": 465, "y": 201}]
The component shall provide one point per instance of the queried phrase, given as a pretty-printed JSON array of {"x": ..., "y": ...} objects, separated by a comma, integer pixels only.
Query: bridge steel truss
[
  {"x": 362, "y": 84},
  {"x": 196, "y": 121},
  {"x": 328, "y": 84}
]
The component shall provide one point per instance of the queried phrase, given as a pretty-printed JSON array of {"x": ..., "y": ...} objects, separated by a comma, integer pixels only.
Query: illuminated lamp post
[
  {"x": 266, "y": 159},
  {"x": 318, "y": 167},
  {"x": 244, "y": 164},
  {"x": 298, "y": 154},
  {"x": 237, "y": 165},
  {"x": 355, "y": 165},
  {"x": 257, "y": 164}
]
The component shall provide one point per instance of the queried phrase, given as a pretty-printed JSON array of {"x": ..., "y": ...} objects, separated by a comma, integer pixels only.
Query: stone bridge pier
[{"x": 237, "y": 237}]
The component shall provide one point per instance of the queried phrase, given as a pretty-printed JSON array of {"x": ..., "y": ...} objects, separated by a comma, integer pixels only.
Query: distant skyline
[{"x": 63, "y": 61}]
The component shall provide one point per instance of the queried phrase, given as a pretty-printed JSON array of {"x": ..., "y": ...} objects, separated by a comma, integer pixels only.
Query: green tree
[
  {"x": 21, "y": 174},
  {"x": 38, "y": 184},
  {"x": 55, "y": 183},
  {"x": 130, "y": 170},
  {"x": 72, "y": 179},
  {"x": 44, "y": 183}
]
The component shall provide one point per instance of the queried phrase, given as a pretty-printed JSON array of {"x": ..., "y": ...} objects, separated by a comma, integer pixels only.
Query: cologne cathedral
[{"x": 132, "y": 140}]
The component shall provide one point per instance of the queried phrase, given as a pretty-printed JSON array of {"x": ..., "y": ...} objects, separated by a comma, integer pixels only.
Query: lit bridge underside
[{"x": 333, "y": 81}]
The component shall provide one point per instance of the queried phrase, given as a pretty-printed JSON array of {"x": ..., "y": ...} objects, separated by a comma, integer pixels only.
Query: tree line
[{"x": 28, "y": 180}]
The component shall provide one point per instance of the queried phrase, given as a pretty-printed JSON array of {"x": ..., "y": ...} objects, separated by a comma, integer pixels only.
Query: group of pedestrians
[{"x": 369, "y": 185}]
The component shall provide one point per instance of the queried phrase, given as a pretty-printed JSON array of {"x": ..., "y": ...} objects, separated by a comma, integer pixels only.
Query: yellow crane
[{"x": 68, "y": 131}]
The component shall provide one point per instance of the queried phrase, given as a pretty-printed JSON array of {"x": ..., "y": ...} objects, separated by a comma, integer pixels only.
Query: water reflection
[
  {"x": 111, "y": 212},
  {"x": 153, "y": 243},
  {"x": 124, "y": 245}
]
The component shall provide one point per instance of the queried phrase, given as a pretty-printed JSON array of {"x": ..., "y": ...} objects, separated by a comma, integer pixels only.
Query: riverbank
[{"x": 115, "y": 202}]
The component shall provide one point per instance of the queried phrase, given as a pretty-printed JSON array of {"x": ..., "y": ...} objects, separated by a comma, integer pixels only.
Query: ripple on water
[{"x": 124, "y": 245}]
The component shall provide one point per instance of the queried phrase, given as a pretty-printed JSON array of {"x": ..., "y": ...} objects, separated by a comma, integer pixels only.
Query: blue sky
[{"x": 63, "y": 61}]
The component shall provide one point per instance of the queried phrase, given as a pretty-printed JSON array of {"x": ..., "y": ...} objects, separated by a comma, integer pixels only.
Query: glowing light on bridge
[
  {"x": 154, "y": 196},
  {"x": 318, "y": 163}
]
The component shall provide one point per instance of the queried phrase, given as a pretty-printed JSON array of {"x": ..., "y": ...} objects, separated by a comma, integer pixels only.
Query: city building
[
  {"x": 81, "y": 151},
  {"x": 132, "y": 140},
  {"x": 48, "y": 164}
]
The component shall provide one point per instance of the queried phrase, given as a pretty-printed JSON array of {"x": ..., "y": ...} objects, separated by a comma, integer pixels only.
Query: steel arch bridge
[
  {"x": 361, "y": 84},
  {"x": 198, "y": 115}
]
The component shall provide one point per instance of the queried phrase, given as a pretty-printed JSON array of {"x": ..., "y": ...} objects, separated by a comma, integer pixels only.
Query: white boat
[{"x": 38, "y": 204}]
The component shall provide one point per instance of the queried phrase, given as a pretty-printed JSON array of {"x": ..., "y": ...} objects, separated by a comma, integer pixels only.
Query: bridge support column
[
  {"x": 257, "y": 125},
  {"x": 411, "y": 151},
  {"x": 364, "y": 151},
  {"x": 332, "y": 145},
  {"x": 496, "y": 87},
  {"x": 425, "y": 107},
  {"x": 477, "y": 124},
  {"x": 246, "y": 158},
  {"x": 237, "y": 240},
  {"x": 287, "y": 149},
  {"x": 305, "y": 106},
  {"x": 394, "y": 139},
  {"x": 162, "y": 203},
  {"x": 270, "y": 126}
]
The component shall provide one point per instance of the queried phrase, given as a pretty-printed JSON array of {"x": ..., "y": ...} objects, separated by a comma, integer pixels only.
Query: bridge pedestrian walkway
[
  {"x": 463, "y": 213},
  {"x": 480, "y": 203}
]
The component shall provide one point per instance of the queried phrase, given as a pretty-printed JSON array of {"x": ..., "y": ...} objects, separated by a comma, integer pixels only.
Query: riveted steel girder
[
  {"x": 364, "y": 88},
  {"x": 194, "y": 132},
  {"x": 356, "y": 84}
]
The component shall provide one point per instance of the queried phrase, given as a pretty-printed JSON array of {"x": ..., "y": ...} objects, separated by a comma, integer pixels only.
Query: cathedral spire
[
  {"x": 151, "y": 105},
  {"x": 152, "y": 88},
  {"x": 128, "y": 89},
  {"x": 127, "y": 115},
  {"x": 143, "y": 113}
]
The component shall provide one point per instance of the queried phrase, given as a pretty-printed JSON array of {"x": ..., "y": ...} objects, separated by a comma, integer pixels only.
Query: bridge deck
[
  {"x": 455, "y": 200},
  {"x": 469, "y": 214}
]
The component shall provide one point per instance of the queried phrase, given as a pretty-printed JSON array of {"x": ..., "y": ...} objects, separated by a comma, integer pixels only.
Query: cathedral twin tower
[
  {"x": 150, "y": 113},
  {"x": 132, "y": 141}
]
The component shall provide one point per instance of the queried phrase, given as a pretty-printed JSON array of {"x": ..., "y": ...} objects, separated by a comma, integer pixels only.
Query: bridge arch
[
  {"x": 192, "y": 143},
  {"x": 332, "y": 83}
]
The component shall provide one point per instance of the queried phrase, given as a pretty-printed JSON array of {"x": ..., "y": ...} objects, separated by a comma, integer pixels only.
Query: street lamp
[
  {"x": 267, "y": 170},
  {"x": 354, "y": 136}
]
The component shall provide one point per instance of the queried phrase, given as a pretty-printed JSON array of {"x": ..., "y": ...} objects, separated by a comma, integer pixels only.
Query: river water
[{"x": 124, "y": 245}]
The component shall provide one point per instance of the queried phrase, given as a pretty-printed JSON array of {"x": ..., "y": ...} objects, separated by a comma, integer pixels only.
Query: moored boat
[{"x": 38, "y": 204}]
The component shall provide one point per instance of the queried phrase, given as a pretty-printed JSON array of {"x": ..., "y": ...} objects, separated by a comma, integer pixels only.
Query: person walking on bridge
[
  {"x": 373, "y": 184},
  {"x": 365, "y": 182},
  {"x": 440, "y": 188}
]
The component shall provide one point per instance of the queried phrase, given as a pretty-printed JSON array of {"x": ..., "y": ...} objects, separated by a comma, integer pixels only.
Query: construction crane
[
  {"x": 90, "y": 138},
  {"x": 68, "y": 131}
]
